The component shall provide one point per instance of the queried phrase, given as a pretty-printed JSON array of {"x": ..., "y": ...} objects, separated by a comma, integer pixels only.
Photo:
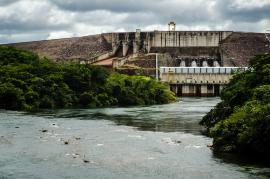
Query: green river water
[{"x": 161, "y": 141}]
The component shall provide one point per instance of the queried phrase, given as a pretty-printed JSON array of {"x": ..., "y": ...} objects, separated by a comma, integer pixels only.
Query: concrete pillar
[
  {"x": 138, "y": 35},
  {"x": 185, "y": 90},
  {"x": 135, "y": 47},
  {"x": 136, "y": 42},
  {"x": 125, "y": 48},
  {"x": 145, "y": 46},
  {"x": 188, "y": 90},
  {"x": 115, "y": 42},
  {"x": 182, "y": 63},
  {"x": 148, "y": 46},
  {"x": 114, "y": 47},
  {"x": 204, "y": 90},
  {"x": 216, "y": 64},
  {"x": 193, "y": 64},
  {"x": 148, "y": 41},
  {"x": 205, "y": 64},
  {"x": 176, "y": 90}
]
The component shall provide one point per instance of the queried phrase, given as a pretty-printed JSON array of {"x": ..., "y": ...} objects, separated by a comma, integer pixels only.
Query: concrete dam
[{"x": 194, "y": 63}]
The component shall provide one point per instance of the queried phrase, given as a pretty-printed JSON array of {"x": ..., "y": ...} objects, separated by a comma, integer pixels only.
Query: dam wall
[
  {"x": 188, "y": 38},
  {"x": 166, "y": 41},
  {"x": 200, "y": 48},
  {"x": 227, "y": 48}
]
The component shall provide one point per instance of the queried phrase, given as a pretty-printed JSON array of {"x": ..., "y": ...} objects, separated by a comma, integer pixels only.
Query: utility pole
[{"x": 157, "y": 67}]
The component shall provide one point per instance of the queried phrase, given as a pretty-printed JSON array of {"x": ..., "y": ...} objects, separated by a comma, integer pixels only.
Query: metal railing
[{"x": 202, "y": 70}]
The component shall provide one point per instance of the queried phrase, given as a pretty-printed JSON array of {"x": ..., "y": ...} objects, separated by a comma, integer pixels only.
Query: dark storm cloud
[
  {"x": 181, "y": 9},
  {"x": 16, "y": 26},
  {"x": 114, "y": 6},
  {"x": 7, "y": 2},
  {"x": 144, "y": 11},
  {"x": 144, "y": 19},
  {"x": 28, "y": 15},
  {"x": 22, "y": 37},
  {"x": 251, "y": 12}
]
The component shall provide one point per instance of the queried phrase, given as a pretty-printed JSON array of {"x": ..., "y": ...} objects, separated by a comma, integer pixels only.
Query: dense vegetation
[
  {"x": 30, "y": 83},
  {"x": 241, "y": 122}
]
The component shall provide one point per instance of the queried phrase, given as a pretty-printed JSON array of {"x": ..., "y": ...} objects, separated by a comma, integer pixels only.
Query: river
[{"x": 160, "y": 141}]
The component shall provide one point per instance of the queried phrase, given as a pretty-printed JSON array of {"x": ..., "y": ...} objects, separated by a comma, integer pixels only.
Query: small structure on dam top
[
  {"x": 135, "y": 53},
  {"x": 172, "y": 26}
]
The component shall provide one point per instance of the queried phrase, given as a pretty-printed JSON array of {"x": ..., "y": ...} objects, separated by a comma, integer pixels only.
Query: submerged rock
[
  {"x": 86, "y": 161},
  {"x": 171, "y": 141}
]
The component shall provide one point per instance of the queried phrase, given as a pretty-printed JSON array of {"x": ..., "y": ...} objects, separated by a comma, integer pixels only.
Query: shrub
[
  {"x": 241, "y": 122},
  {"x": 30, "y": 83}
]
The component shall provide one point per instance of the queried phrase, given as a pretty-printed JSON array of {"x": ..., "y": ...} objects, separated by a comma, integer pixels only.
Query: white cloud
[
  {"x": 25, "y": 20},
  {"x": 249, "y": 4},
  {"x": 86, "y": 29},
  {"x": 59, "y": 34}
]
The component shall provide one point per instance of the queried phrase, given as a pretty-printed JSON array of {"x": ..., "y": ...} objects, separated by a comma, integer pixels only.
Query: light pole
[{"x": 157, "y": 78}]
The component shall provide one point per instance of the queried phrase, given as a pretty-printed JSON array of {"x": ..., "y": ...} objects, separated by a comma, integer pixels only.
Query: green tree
[
  {"x": 241, "y": 122},
  {"x": 30, "y": 83}
]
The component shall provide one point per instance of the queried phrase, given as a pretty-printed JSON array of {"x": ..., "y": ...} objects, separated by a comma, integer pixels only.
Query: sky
[{"x": 29, "y": 20}]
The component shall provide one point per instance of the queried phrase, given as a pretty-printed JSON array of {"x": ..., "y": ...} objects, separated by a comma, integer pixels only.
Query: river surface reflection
[{"x": 161, "y": 141}]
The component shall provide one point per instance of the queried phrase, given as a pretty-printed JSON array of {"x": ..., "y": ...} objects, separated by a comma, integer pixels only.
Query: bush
[
  {"x": 138, "y": 90},
  {"x": 262, "y": 93},
  {"x": 46, "y": 103},
  {"x": 246, "y": 130},
  {"x": 10, "y": 97},
  {"x": 12, "y": 55},
  {"x": 88, "y": 99},
  {"x": 241, "y": 122},
  {"x": 30, "y": 83}
]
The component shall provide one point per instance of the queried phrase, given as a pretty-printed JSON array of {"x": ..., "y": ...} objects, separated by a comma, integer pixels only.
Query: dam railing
[{"x": 202, "y": 70}]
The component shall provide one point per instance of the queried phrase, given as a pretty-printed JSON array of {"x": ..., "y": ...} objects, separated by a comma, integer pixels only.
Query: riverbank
[
  {"x": 30, "y": 83},
  {"x": 240, "y": 123}
]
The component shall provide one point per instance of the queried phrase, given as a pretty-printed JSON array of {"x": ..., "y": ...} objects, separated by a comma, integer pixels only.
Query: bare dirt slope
[
  {"x": 83, "y": 48},
  {"x": 238, "y": 48}
]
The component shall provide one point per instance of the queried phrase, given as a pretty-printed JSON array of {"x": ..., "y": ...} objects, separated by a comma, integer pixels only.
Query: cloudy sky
[{"x": 27, "y": 20}]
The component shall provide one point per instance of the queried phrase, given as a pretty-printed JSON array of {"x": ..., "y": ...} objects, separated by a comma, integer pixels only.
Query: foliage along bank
[
  {"x": 241, "y": 122},
  {"x": 30, "y": 83}
]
